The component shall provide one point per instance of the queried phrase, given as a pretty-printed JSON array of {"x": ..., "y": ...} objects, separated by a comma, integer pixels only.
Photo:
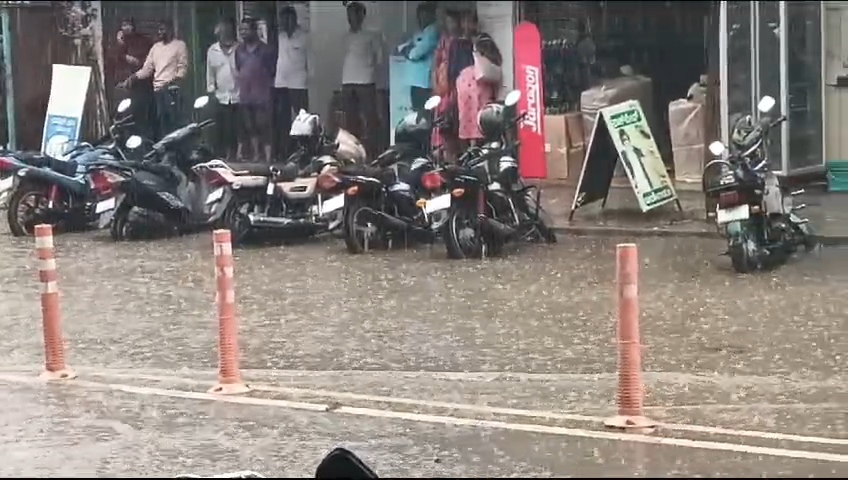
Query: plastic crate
[{"x": 837, "y": 176}]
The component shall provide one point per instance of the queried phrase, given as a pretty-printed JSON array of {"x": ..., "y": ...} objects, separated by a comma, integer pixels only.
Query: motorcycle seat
[
  {"x": 361, "y": 170},
  {"x": 254, "y": 169}
]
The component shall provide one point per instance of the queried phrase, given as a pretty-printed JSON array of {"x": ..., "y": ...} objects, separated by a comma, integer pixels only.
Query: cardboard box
[{"x": 556, "y": 147}]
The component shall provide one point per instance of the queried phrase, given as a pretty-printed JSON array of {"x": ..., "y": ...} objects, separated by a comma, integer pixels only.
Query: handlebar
[{"x": 778, "y": 121}]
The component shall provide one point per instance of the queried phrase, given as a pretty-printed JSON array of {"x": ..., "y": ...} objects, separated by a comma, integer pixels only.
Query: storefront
[{"x": 775, "y": 48}]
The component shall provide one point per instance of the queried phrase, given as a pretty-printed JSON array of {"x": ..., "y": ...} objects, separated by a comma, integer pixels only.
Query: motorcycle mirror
[
  {"x": 133, "y": 142},
  {"x": 512, "y": 98},
  {"x": 201, "y": 102},
  {"x": 716, "y": 148},
  {"x": 124, "y": 105},
  {"x": 432, "y": 102},
  {"x": 766, "y": 104}
]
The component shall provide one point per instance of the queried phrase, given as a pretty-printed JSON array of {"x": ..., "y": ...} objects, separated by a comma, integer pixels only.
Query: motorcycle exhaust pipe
[
  {"x": 498, "y": 228},
  {"x": 797, "y": 192},
  {"x": 387, "y": 221},
  {"x": 262, "y": 221}
]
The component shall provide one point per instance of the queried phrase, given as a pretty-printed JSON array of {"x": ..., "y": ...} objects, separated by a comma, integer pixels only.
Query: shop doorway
[
  {"x": 668, "y": 42},
  {"x": 775, "y": 48}
]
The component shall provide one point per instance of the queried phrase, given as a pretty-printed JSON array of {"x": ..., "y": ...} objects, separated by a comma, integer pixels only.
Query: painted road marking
[
  {"x": 516, "y": 412},
  {"x": 456, "y": 421}
]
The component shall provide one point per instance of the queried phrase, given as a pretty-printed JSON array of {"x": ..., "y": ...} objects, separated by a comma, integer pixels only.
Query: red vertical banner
[{"x": 528, "y": 75}]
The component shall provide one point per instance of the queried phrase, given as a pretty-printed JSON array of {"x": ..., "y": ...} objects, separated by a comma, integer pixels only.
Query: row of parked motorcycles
[{"x": 143, "y": 189}]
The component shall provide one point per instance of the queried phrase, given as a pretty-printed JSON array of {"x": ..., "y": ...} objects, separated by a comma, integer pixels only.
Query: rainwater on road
[{"x": 534, "y": 330}]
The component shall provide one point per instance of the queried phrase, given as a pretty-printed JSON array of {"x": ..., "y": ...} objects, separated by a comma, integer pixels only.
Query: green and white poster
[
  {"x": 621, "y": 133},
  {"x": 639, "y": 154}
]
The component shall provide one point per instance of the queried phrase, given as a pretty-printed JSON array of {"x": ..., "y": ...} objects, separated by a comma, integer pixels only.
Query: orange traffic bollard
[
  {"x": 51, "y": 312},
  {"x": 630, "y": 389},
  {"x": 229, "y": 377}
]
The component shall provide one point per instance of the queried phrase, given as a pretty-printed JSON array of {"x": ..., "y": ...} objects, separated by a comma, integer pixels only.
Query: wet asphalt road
[{"x": 765, "y": 352}]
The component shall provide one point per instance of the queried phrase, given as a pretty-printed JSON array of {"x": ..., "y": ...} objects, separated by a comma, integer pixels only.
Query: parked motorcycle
[
  {"x": 291, "y": 201},
  {"x": 65, "y": 191},
  {"x": 390, "y": 198},
  {"x": 755, "y": 212},
  {"x": 490, "y": 204},
  {"x": 169, "y": 192}
]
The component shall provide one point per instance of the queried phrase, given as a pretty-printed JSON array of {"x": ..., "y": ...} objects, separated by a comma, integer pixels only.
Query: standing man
[
  {"x": 166, "y": 64},
  {"x": 127, "y": 56},
  {"x": 221, "y": 81},
  {"x": 419, "y": 51},
  {"x": 255, "y": 63},
  {"x": 359, "y": 91},
  {"x": 290, "y": 85}
]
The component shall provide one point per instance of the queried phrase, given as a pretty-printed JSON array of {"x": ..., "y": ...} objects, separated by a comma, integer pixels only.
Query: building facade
[{"x": 795, "y": 51}]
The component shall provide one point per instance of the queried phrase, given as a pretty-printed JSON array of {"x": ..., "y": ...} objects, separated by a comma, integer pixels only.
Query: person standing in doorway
[
  {"x": 472, "y": 93},
  {"x": 290, "y": 85},
  {"x": 221, "y": 81},
  {"x": 255, "y": 63},
  {"x": 359, "y": 91},
  {"x": 127, "y": 56},
  {"x": 167, "y": 65},
  {"x": 419, "y": 51}
]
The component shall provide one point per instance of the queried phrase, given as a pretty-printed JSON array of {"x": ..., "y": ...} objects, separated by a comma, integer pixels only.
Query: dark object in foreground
[{"x": 340, "y": 463}]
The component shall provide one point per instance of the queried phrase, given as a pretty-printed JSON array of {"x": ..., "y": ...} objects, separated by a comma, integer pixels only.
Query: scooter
[{"x": 168, "y": 192}]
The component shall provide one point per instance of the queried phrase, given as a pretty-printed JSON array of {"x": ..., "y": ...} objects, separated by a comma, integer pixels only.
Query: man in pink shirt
[{"x": 167, "y": 64}]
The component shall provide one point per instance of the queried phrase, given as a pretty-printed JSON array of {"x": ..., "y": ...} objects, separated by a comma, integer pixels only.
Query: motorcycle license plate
[
  {"x": 442, "y": 202},
  {"x": 735, "y": 214},
  {"x": 215, "y": 196},
  {"x": 334, "y": 203},
  {"x": 269, "y": 190},
  {"x": 7, "y": 184},
  {"x": 105, "y": 205}
]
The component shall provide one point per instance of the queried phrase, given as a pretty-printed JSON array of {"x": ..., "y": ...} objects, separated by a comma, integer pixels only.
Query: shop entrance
[
  {"x": 775, "y": 48},
  {"x": 587, "y": 43}
]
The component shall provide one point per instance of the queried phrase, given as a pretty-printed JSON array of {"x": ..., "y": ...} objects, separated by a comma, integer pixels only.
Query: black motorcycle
[
  {"x": 754, "y": 211},
  {"x": 389, "y": 199},
  {"x": 166, "y": 194},
  {"x": 490, "y": 204},
  {"x": 66, "y": 191}
]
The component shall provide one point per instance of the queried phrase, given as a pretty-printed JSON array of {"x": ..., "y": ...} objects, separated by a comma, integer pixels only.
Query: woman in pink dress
[{"x": 473, "y": 94}]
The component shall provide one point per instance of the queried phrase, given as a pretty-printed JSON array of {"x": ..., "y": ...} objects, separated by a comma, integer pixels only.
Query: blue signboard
[{"x": 61, "y": 133}]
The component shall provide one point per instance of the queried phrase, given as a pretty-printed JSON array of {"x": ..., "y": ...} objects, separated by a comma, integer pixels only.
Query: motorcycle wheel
[
  {"x": 360, "y": 235},
  {"x": 742, "y": 255},
  {"x": 463, "y": 239},
  {"x": 27, "y": 208},
  {"x": 119, "y": 229},
  {"x": 236, "y": 220},
  {"x": 543, "y": 223}
]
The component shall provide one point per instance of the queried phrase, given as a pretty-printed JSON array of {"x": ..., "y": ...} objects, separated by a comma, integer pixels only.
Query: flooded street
[{"x": 534, "y": 330}]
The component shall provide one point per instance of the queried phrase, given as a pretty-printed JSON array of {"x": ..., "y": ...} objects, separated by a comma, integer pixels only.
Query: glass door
[
  {"x": 737, "y": 75},
  {"x": 804, "y": 84}
]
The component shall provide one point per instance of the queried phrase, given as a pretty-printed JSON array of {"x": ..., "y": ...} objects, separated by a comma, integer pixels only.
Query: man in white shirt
[
  {"x": 291, "y": 92},
  {"x": 359, "y": 91},
  {"x": 221, "y": 81}
]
